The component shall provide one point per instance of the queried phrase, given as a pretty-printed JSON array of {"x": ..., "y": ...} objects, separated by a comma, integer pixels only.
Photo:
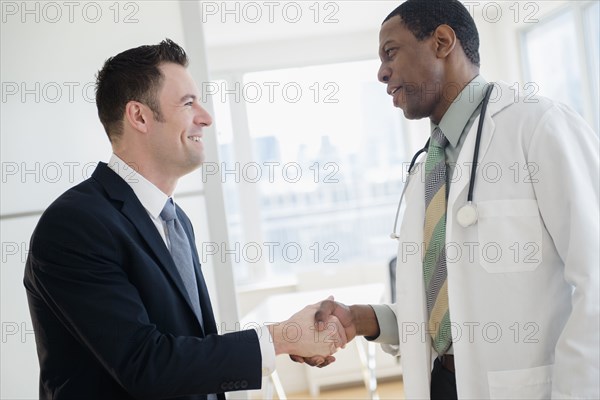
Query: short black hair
[
  {"x": 422, "y": 17},
  {"x": 133, "y": 75}
]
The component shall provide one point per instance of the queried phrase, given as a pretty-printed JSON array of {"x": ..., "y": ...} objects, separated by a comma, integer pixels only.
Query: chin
[
  {"x": 413, "y": 114},
  {"x": 410, "y": 115},
  {"x": 196, "y": 159},
  {"x": 192, "y": 165},
  {"x": 197, "y": 164}
]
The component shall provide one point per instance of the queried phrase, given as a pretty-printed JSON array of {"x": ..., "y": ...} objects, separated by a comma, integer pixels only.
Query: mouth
[
  {"x": 196, "y": 139},
  {"x": 392, "y": 91}
]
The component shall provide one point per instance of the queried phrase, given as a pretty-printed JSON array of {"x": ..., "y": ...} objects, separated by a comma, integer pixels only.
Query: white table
[{"x": 280, "y": 307}]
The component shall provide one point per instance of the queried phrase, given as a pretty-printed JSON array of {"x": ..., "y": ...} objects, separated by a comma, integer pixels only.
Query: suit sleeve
[
  {"x": 78, "y": 272},
  {"x": 565, "y": 150}
]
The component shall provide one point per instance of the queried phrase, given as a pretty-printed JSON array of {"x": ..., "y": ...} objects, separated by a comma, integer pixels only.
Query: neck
[
  {"x": 155, "y": 175},
  {"x": 452, "y": 87}
]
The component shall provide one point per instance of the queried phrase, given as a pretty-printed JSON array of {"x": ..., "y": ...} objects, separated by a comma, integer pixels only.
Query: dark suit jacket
[{"x": 110, "y": 312}]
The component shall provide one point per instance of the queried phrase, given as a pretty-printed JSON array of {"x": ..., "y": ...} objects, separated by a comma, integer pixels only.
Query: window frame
[{"x": 579, "y": 8}]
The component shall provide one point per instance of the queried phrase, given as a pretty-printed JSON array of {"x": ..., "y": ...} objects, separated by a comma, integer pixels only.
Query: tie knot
[
  {"x": 439, "y": 140},
  {"x": 168, "y": 211}
]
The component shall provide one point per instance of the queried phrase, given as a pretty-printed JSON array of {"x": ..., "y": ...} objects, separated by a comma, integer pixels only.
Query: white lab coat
[{"x": 523, "y": 281}]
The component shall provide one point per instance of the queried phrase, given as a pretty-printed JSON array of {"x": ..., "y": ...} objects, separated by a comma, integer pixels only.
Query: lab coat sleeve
[
  {"x": 388, "y": 328},
  {"x": 565, "y": 151}
]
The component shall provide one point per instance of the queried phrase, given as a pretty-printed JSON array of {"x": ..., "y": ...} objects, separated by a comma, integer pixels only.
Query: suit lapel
[{"x": 133, "y": 210}]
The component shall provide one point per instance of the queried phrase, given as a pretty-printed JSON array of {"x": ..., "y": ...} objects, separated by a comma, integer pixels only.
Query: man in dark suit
[{"x": 119, "y": 306}]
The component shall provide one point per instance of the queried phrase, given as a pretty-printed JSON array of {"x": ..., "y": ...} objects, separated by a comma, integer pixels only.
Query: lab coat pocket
[
  {"x": 530, "y": 383},
  {"x": 510, "y": 235}
]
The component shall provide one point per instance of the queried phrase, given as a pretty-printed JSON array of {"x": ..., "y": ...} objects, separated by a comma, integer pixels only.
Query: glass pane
[
  {"x": 224, "y": 129},
  {"x": 332, "y": 144},
  {"x": 555, "y": 72}
]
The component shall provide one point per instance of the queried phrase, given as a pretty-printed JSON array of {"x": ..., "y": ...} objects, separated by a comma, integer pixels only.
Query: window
[
  {"x": 327, "y": 151},
  {"x": 569, "y": 72}
]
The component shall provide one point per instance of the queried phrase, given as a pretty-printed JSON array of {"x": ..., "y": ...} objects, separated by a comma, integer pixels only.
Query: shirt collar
[
  {"x": 151, "y": 197},
  {"x": 456, "y": 117}
]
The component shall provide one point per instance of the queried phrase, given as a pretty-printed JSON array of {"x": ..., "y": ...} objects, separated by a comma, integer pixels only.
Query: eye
[
  {"x": 189, "y": 103},
  {"x": 390, "y": 53}
]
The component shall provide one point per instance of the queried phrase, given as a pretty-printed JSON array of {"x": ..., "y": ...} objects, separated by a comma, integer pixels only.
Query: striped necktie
[{"x": 434, "y": 237}]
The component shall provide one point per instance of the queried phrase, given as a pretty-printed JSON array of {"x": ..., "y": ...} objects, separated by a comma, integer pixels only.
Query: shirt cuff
[
  {"x": 388, "y": 325},
  {"x": 267, "y": 350}
]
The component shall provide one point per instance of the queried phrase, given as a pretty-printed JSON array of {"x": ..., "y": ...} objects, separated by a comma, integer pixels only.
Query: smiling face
[
  {"x": 411, "y": 69},
  {"x": 175, "y": 140}
]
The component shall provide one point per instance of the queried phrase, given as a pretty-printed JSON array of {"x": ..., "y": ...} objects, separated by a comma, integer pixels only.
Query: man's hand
[
  {"x": 299, "y": 335},
  {"x": 342, "y": 312},
  {"x": 355, "y": 320},
  {"x": 329, "y": 309}
]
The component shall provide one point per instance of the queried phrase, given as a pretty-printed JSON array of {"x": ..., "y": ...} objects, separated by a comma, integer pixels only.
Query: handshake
[{"x": 319, "y": 330}]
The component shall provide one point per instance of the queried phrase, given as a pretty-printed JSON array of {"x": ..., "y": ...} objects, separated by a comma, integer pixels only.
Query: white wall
[{"x": 51, "y": 137}]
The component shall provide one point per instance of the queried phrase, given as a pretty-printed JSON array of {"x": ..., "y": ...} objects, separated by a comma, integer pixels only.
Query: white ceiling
[{"x": 274, "y": 24}]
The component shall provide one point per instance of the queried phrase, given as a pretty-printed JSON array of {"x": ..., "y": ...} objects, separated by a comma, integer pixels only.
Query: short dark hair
[
  {"x": 133, "y": 75},
  {"x": 422, "y": 17}
]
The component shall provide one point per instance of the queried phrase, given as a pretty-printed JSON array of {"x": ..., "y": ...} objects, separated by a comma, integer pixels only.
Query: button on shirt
[
  {"x": 153, "y": 200},
  {"x": 456, "y": 123}
]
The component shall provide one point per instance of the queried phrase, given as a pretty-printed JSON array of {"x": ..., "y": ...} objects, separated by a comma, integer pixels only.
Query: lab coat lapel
[
  {"x": 499, "y": 99},
  {"x": 411, "y": 306}
]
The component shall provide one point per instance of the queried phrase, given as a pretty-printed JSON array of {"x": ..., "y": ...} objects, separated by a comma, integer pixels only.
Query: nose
[
  {"x": 383, "y": 75},
  {"x": 202, "y": 117}
]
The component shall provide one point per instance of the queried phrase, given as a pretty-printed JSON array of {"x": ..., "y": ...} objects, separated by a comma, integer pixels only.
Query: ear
[
  {"x": 445, "y": 40},
  {"x": 137, "y": 115}
]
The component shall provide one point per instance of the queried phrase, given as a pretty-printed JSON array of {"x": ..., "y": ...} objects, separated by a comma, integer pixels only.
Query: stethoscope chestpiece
[{"x": 467, "y": 215}]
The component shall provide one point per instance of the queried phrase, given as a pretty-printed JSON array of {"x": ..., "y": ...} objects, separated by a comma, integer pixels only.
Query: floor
[{"x": 390, "y": 390}]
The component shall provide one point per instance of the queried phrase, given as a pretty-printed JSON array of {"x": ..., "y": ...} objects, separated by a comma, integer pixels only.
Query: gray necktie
[{"x": 181, "y": 252}]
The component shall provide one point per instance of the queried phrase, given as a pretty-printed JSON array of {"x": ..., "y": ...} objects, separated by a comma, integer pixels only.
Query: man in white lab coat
[{"x": 522, "y": 279}]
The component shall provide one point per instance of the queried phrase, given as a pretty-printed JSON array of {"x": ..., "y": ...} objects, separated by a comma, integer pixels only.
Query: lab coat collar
[{"x": 501, "y": 97}]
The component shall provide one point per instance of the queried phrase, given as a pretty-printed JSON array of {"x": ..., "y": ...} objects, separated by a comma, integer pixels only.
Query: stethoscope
[{"x": 467, "y": 215}]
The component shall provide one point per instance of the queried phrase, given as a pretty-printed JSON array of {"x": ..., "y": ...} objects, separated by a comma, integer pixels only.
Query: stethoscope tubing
[{"x": 484, "y": 105}]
